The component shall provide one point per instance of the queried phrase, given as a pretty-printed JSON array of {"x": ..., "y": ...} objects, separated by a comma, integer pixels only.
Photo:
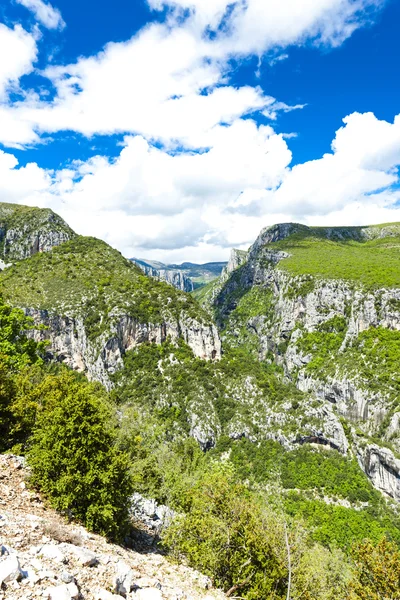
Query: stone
[
  {"x": 148, "y": 594},
  {"x": 63, "y": 592},
  {"x": 52, "y": 552},
  {"x": 67, "y": 577},
  {"x": 10, "y": 569},
  {"x": 123, "y": 581},
  {"x": 85, "y": 557}
]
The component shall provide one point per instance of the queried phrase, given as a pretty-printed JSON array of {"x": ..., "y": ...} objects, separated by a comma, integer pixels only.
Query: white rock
[
  {"x": 106, "y": 595},
  {"x": 31, "y": 576},
  {"x": 52, "y": 552},
  {"x": 123, "y": 580},
  {"x": 85, "y": 557},
  {"x": 148, "y": 594},
  {"x": 67, "y": 577},
  {"x": 62, "y": 592},
  {"x": 10, "y": 569},
  {"x": 36, "y": 564}
]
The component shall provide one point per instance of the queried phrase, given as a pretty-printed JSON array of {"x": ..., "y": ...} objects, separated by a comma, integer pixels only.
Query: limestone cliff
[
  {"x": 25, "y": 230},
  {"x": 174, "y": 277},
  {"x": 96, "y": 305},
  {"x": 334, "y": 337}
]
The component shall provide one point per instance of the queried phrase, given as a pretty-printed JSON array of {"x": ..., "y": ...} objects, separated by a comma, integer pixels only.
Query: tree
[
  {"x": 17, "y": 351},
  {"x": 231, "y": 537},
  {"x": 377, "y": 571},
  {"x": 75, "y": 462}
]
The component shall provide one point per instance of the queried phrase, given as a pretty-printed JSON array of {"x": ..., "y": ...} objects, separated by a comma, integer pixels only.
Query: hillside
[
  {"x": 97, "y": 304},
  {"x": 324, "y": 304},
  {"x": 26, "y": 230},
  {"x": 279, "y": 425},
  {"x": 42, "y": 555},
  {"x": 186, "y": 277}
]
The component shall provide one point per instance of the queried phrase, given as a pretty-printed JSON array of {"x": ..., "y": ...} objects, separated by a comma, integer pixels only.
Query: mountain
[
  {"x": 26, "y": 230},
  {"x": 324, "y": 305},
  {"x": 95, "y": 303},
  {"x": 174, "y": 277},
  {"x": 263, "y": 421},
  {"x": 186, "y": 277}
]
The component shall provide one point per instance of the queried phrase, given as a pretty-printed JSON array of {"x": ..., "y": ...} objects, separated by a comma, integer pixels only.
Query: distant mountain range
[{"x": 186, "y": 277}]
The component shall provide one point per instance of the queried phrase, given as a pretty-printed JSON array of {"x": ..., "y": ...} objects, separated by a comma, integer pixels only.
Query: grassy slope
[
  {"x": 87, "y": 277},
  {"x": 372, "y": 262}
]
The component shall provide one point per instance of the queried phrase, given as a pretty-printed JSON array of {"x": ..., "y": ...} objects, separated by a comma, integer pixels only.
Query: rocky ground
[{"x": 43, "y": 556}]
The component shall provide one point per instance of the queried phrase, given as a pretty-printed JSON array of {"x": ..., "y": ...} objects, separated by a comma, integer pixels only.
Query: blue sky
[{"x": 177, "y": 129}]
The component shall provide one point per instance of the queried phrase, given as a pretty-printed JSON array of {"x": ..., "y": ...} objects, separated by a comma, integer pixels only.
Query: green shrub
[
  {"x": 377, "y": 571},
  {"x": 231, "y": 537},
  {"x": 75, "y": 462}
]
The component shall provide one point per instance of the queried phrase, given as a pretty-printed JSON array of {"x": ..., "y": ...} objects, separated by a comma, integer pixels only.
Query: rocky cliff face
[
  {"x": 172, "y": 276},
  {"x": 69, "y": 342},
  {"x": 322, "y": 332},
  {"x": 24, "y": 231}
]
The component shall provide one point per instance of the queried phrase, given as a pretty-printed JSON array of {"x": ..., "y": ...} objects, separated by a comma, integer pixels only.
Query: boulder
[
  {"x": 10, "y": 569},
  {"x": 85, "y": 557},
  {"x": 124, "y": 579},
  {"x": 63, "y": 592},
  {"x": 52, "y": 552}
]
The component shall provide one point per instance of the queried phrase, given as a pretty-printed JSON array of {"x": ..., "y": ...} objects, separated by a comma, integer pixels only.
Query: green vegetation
[
  {"x": 182, "y": 391},
  {"x": 87, "y": 463},
  {"x": 372, "y": 262},
  {"x": 74, "y": 460},
  {"x": 323, "y": 470},
  {"x": 86, "y": 277},
  {"x": 377, "y": 569},
  {"x": 26, "y": 222},
  {"x": 68, "y": 427},
  {"x": 241, "y": 504},
  {"x": 239, "y": 328},
  {"x": 371, "y": 359}
]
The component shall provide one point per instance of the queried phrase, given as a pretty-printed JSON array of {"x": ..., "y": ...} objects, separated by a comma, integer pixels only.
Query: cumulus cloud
[
  {"x": 200, "y": 205},
  {"x": 197, "y": 174},
  {"x": 18, "y": 52},
  {"x": 170, "y": 82},
  {"x": 255, "y": 26},
  {"x": 45, "y": 13}
]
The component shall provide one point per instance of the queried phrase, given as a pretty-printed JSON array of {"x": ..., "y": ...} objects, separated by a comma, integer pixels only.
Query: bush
[
  {"x": 377, "y": 573},
  {"x": 229, "y": 536},
  {"x": 75, "y": 462}
]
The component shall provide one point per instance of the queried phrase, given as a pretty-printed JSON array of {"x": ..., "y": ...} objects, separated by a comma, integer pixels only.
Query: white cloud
[
  {"x": 196, "y": 206},
  {"x": 255, "y": 26},
  {"x": 216, "y": 178},
  {"x": 18, "y": 52},
  {"x": 170, "y": 82},
  {"x": 45, "y": 13},
  {"x": 152, "y": 85},
  {"x": 29, "y": 185}
]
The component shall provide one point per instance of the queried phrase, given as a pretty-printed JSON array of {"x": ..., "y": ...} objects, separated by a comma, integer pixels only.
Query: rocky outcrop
[
  {"x": 237, "y": 258},
  {"x": 382, "y": 468},
  {"x": 25, "y": 231},
  {"x": 70, "y": 344},
  {"x": 302, "y": 304},
  {"x": 42, "y": 556},
  {"x": 174, "y": 277}
]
